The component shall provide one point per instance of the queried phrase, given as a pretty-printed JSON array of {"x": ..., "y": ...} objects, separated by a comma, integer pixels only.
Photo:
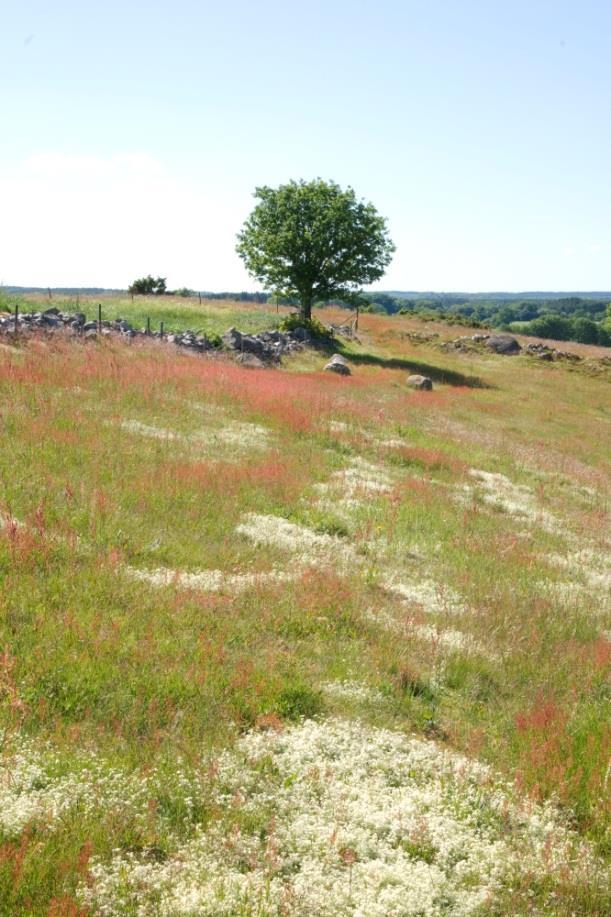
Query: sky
[{"x": 133, "y": 135}]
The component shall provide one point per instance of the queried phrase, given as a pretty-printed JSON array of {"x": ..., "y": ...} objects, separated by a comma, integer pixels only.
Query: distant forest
[{"x": 563, "y": 317}]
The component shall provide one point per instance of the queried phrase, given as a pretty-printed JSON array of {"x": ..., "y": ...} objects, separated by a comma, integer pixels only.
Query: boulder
[
  {"x": 421, "y": 383},
  {"x": 250, "y": 344},
  {"x": 232, "y": 339},
  {"x": 338, "y": 364},
  {"x": 504, "y": 344},
  {"x": 301, "y": 334},
  {"x": 250, "y": 360}
]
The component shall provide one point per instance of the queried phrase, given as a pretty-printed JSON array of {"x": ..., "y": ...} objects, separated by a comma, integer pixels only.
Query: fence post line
[
  {"x": 100, "y": 316},
  {"x": 16, "y": 316},
  {"x": 161, "y": 328},
  {"x": 148, "y": 324}
]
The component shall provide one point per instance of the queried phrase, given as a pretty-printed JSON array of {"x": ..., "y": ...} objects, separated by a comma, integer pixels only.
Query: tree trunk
[{"x": 306, "y": 308}]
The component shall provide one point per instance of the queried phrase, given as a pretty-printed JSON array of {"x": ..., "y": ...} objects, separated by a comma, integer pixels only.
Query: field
[{"x": 276, "y": 642}]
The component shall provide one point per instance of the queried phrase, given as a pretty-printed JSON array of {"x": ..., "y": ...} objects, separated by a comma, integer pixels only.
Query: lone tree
[{"x": 314, "y": 241}]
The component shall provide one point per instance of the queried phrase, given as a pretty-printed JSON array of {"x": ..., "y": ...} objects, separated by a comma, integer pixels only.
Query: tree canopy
[
  {"x": 315, "y": 241},
  {"x": 146, "y": 285}
]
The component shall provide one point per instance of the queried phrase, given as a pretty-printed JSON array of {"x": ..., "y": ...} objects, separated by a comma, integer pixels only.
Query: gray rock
[
  {"x": 232, "y": 339},
  {"x": 421, "y": 383},
  {"x": 503, "y": 344},
  {"x": 338, "y": 366},
  {"x": 250, "y": 344},
  {"x": 300, "y": 334},
  {"x": 250, "y": 361}
]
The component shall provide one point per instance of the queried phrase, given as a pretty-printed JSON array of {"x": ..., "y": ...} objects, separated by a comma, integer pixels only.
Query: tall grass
[{"x": 112, "y": 458}]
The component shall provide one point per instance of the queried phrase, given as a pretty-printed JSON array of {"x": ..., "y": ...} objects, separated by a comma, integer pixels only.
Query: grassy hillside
[
  {"x": 281, "y": 642},
  {"x": 177, "y": 312}
]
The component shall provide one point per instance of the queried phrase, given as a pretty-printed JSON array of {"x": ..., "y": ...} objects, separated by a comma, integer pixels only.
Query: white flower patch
[
  {"x": 352, "y": 691},
  {"x": 239, "y": 435},
  {"x": 355, "y": 482},
  {"x": 209, "y": 580},
  {"x": 242, "y": 436},
  {"x": 431, "y": 597},
  {"x": 591, "y": 583},
  {"x": 338, "y": 426},
  {"x": 348, "y": 490},
  {"x": 30, "y": 795},
  {"x": 309, "y": 546},
  {"x": 143, "y": 429},
  {"x": 451, "y": 640},
  {"x": 337, "y": 818},
  {"x": 363, "y": 476},
  {"x": 516, "y": 500},
  {"x": 392, "y": 443},
  {"x": 592, "y": 567},
  {"x": 203, "y": 407}
]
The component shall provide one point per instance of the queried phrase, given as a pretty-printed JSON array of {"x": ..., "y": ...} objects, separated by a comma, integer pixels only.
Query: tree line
[{"x": 569, "y": 318}]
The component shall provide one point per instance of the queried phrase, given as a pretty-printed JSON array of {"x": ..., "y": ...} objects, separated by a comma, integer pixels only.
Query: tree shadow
[{"x": 436, "y": 373}]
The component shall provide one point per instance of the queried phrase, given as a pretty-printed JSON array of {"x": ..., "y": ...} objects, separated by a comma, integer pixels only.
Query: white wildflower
[
  {"x": 432, "y": 597},
  {"x": 516, "y": 500},
  {"x": 309, "y": 546},
  {"x": 346, "y": 820},
  {"x": 209, "y": 580}
]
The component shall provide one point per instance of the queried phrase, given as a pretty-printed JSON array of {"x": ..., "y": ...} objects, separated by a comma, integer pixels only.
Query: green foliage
[
  {"x": 313, "y": 326},
  {"x": 299, "y": 702},
  {"x": 568, "y": 318},
  {"x": 314, "y": 240},
  {"x": 145, "y": 286},
  {"x": 185, "y": 292}
]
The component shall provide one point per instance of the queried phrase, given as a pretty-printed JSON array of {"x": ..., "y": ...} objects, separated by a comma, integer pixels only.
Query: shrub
[{"x": 316, "y": 328}]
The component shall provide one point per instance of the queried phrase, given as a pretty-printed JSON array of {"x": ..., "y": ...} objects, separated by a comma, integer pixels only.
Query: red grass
[{"x": 431, "y": 459}]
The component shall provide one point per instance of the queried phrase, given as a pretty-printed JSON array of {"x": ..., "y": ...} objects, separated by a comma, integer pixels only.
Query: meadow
[{"x": 277, "y": 642}]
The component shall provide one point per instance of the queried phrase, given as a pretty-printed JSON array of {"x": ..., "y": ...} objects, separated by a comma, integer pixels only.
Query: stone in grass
[
  {"x": 421, "y": 383},
  {"x": 250, "y": 360},
  {"x": 504, "y": 344},
  {"x": 337, "y": 364}
]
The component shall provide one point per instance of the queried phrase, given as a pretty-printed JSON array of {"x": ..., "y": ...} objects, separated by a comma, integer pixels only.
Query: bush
[{"x": 316, "y": 328}]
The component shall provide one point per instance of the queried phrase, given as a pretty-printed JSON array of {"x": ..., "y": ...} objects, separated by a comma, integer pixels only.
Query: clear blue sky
[{"x": 134, "y": 133}]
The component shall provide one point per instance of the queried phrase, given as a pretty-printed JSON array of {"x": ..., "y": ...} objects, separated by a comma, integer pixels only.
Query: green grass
[
  {"x": 176, "y": 312},
  {"x": 101, "y": 666}
]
